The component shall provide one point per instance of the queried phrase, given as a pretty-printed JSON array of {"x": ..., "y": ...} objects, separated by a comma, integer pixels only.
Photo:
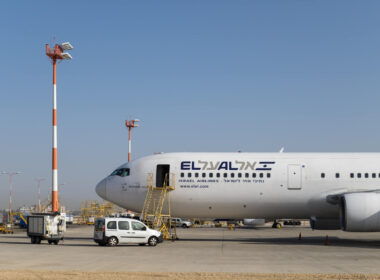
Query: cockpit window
[{"x": 122, "y": 172}]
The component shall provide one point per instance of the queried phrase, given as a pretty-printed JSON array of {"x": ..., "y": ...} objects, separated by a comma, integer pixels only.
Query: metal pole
[
  {"x": 10, "y": 198},
  {"x": 10, "y": 174},
  {"x": 54, "y": 197},
  {"x": 39, "y": 197},
  {"x": 39, "y": 192},
  {"x": 129, "y": 144}
]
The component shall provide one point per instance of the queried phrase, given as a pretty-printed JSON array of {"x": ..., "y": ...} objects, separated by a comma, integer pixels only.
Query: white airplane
[{"x": 333, "y": 190}]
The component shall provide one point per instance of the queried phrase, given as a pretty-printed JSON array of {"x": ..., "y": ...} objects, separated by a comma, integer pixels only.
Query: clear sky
[{"x": 201, "y": 75}]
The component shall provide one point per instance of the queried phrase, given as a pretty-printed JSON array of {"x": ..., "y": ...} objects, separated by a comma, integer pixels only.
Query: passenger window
[
  {"x": 203, "y": 175},
  {"x": 268, "y": 175},
  {"x": 337, "y": 175},
  {"x": 182, "y": 175},
  {"x": 322, "y": 175},
  {"x": 366, "y": 175},
  {"x": 246, "y": 175},
  {"x": 239, "y": 175},
  {"x": 123, "y": 225},
  {"x": 218, "y": 175},
  {"x": 138, "y": 226},
  {"x": 373, "y": 175},
  {"x": 189, "y": 175},
  {"x": 253, "y": 175},
  {"x": 211, "y": 175},
  {"x": 359, "y": 175},
  {"x": 196, "y": 175},
  {"x": 261, "y": 175},
  {"x": 232, "y": 175},
  {"x": 352, "y": 175},
  {"x": 111, "y": 225},
  {"x": 225, "y": 175}
]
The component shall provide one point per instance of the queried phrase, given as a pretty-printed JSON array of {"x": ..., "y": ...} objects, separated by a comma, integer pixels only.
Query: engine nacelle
[
  {"x": 325, "y": 224},
  {"x": 360, "y": 212}
]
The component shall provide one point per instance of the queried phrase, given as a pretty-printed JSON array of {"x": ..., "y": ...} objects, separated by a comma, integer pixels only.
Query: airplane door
[
  {"x": 162, "y": 170},
  {"x": 294, "y": 177}
]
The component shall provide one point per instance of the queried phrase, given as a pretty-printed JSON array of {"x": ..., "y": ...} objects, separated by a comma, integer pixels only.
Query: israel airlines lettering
[{"x": 227, "y": 165}]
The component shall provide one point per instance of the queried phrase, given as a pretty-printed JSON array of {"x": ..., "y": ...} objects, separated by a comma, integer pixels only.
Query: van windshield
[{"x": 99, "y": 224}]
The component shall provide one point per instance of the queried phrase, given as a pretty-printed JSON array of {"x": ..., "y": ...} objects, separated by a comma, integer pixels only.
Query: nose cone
[{"x": 101, "y": 189}]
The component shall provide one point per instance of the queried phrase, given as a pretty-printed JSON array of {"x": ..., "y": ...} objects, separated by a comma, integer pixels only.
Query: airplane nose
[{"x": 101, "y": 189}]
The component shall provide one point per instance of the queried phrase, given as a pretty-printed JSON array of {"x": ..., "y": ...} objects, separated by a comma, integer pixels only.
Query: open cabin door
[
  {"x": 161, "y": 171},
  {"x": 294, "y": 177}
]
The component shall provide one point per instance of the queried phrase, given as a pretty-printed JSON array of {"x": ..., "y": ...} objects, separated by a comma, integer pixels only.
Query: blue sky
[{"x": 201, "y": 75}]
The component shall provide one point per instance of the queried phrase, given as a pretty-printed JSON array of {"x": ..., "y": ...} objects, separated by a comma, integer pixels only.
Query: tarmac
[{"x": 243, "y": 250}]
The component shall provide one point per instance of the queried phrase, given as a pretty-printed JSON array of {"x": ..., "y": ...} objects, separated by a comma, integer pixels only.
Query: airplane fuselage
[{"x": 241, "y": 185}]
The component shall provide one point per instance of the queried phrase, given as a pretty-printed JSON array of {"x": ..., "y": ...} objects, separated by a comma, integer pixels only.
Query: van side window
[
  {"x": 124, "y": 225},
  {"x": 111, "y": 225},
  {"x": 138, "y": 226}
]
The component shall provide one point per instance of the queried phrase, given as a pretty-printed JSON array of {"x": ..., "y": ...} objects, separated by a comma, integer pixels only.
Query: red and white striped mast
[
  {"x": 130, "y": 124},
  {"x": 56, "y": 54}
]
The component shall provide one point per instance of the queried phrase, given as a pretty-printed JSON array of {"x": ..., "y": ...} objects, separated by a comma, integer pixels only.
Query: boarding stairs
[{"x": 156, "y": 210}]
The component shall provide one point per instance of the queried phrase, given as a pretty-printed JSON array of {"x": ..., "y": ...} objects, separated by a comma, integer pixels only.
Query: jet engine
[{"x": 360, "y": 212}]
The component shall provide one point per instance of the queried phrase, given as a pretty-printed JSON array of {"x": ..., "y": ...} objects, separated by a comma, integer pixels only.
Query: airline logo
[{"x": 227, "y": 165}]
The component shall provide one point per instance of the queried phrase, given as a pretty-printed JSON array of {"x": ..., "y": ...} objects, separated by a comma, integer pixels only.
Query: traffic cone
[
  {"x": 299, "y": 237},
  {"x": 327, "y": 240}
]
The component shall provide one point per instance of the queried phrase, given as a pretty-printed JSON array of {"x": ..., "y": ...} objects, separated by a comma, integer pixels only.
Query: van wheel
[
  {"x": 153, "y": 241},
  {"x": 112, "y": 241},
  {"x": 184, "y": 226}
]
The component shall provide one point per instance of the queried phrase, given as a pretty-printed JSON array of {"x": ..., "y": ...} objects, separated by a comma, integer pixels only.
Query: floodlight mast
[
  {"x": 130, "y": 124},
  {"x": 56, "y": 54},
  {"x": 10, "y": 174}
]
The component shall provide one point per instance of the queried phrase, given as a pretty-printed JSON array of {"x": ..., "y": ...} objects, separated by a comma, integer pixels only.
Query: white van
[{"x": 113, "y": 231}]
